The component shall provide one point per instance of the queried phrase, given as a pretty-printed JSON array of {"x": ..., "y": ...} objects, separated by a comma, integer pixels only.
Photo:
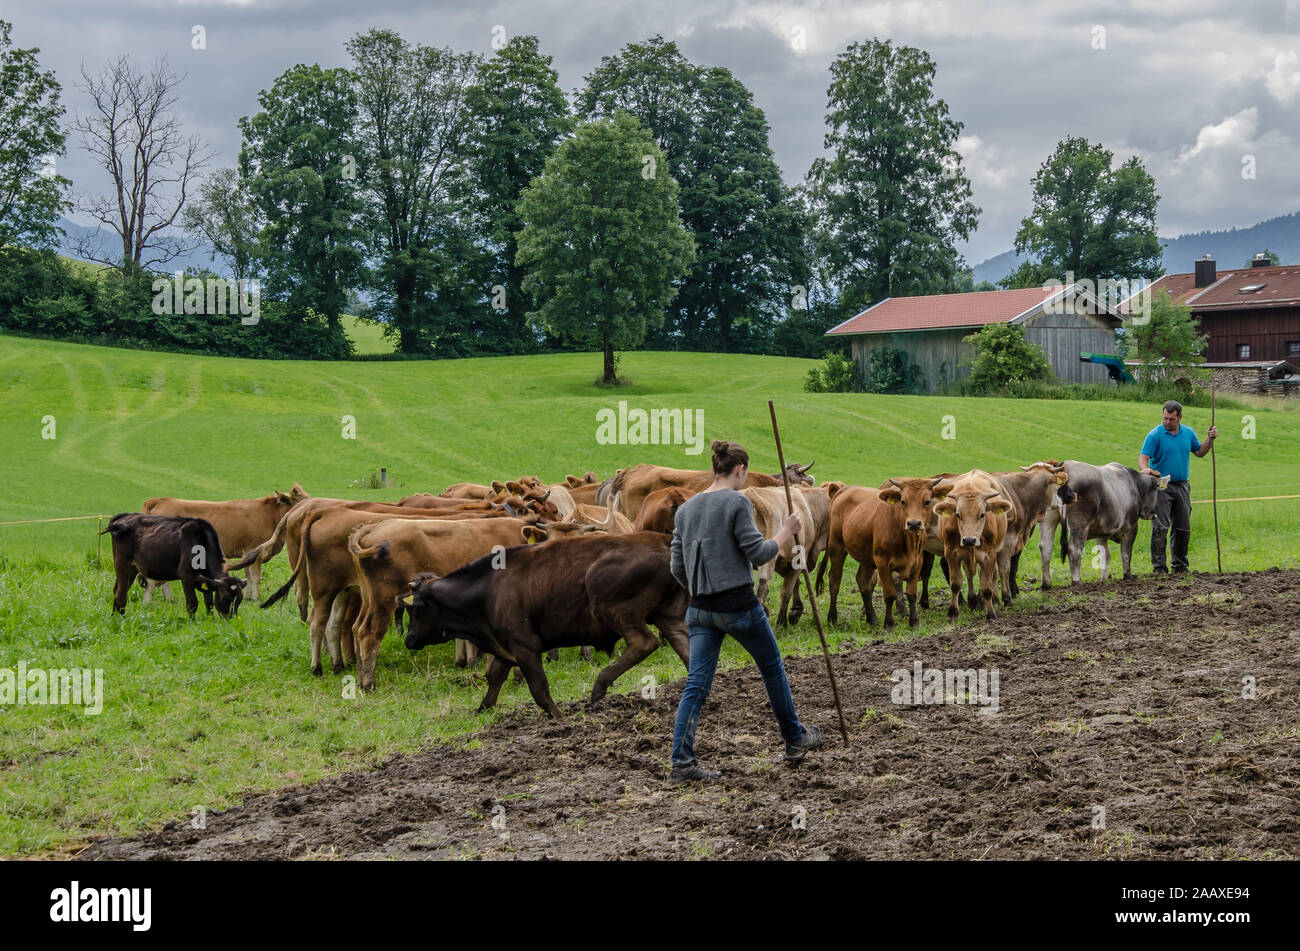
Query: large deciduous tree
[
  {"x": 223, "y": 214},
  {"x": 300, "y": 158},
  {"x": 519, "y": 117},
  {"x": 135, "y": 133},
  {"x": 892, "y": 198},
  {"x": 31, "y": 195},
  {"x": 602, "y": 239},
  {"x": 1090, "y": 218},
  {"x": 414, "y": 129}
]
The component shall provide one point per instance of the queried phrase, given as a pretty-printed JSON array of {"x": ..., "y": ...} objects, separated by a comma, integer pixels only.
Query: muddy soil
[{"x": 1126, "y": 727}]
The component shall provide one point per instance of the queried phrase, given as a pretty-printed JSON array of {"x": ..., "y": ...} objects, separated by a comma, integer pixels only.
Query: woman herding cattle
[{"x": 715, "y": 546}]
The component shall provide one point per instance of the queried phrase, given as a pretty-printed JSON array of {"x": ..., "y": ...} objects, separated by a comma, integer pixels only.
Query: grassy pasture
[{"x": 196, "y": 713}]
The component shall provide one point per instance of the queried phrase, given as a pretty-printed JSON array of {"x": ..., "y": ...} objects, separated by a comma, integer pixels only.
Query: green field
[{"x": 197, "y": 713}]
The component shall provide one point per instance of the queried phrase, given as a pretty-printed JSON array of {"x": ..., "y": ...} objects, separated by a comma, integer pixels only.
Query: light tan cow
[
  {"x": 241, "y": 524},
  {"x": 813, "y": 506},
  {"x": 632, "y": 485},
  {"x": 973, "y": 525}
]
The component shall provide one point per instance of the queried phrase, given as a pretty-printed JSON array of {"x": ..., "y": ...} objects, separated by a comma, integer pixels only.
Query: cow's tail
[
  {"x": 149, "y": 505},
  {"x": 821, "y": 571},
  {"x": 297, "y": 569},
  {"x": 1065, "y": 539},
  {"x": 374, "y": 551}
]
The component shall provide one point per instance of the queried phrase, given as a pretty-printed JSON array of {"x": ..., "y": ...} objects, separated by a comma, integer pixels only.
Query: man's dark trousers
[{"x": 1173, "y": 508}]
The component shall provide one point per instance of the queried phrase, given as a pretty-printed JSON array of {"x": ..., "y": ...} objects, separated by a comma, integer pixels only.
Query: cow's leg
[
  {"x": 317, "y": 622},
  {"x": 789, "y": 588},
  {"x": 122, "y": 586},
  {"x": 641, "y": 643},
  {"x": 866, "y": 578},
  {"x": 498, "y": 671},
  {"x": 460, "y": 645},
  {"x": 1126, "y": 550},
  {"x": 1077, "y": 540},
  {"x": 530, "y": 662},
  {"x": 836, "y": 560},
  {"x": 1014, "y": 569},
  {"x": 764, "y": 585},
  {"x": 368, "y": 641},
  {"x": 1046, "y": 543},
  {"x": 587, "y": 652},
  {"x": 951, "y": 559},
  {"x": 988, "y": 564},
  {"x": 888, "y": 590},
  {"x": 972, "y": 582},
  {"x": 927, "y": 566},
  {"x": 148, "y": 592},
  {"x": 672, "y": 628},
  {"x": 253, "y": 574},
  {"x": 553, "y": 655},
  {"x": 1004, "y": 571},
  {"x": 912, "y": 619},
  {"x": 333, "y": 627},
  {"x": 191, "y": 600},
  {"x": 1104, "y": 546}
]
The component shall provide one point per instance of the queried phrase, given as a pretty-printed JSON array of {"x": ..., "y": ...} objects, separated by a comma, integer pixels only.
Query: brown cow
[
  {"x": 852, "y": 513},
  {"x": 659, "y": 510},
  {"x": 973, "y": 525},
  {"x": 241, "y": 524},
  {"x": 813, "y": 506},
  {"x": 593, "y": 590},
  {"x": 632, "y": 485},
  {"x": 386, "y": 555}
]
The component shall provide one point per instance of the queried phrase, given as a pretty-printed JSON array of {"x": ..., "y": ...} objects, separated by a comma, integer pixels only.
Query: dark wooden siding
[{"x": 1268, "y": 331}]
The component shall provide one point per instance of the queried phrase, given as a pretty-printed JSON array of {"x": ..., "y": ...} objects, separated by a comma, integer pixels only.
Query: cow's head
[
  {"x": 540, "y": 504},
  {"x": 798, "y": 474},
  {"x": 418, "y": 580},
  {"x": 917, "y": 498},
  {"x": 424, "y": 614},
  {"x": 1148, "y": 488},
  {"x": 971, "y": 513},
  {"x": 227, "y": 593},
  {"x": 550, "y": 531}
]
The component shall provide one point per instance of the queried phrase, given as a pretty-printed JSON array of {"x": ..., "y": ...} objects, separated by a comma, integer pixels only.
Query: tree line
[{"x": 474, "y": 208}]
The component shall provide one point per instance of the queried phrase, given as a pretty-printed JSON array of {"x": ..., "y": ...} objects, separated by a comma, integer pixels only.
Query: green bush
[
  {"x": 1004, "y": 356},
  {"x": 892, "y": 371},
  {"x": 838, "y": 374}
]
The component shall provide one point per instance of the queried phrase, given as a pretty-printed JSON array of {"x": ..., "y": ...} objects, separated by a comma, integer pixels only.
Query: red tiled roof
[
  {"x": 1281, "y": 288},
  {"x": 933, "y": 311}
]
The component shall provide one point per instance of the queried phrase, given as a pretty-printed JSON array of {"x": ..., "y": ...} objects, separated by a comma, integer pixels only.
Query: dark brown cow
[
  {"x": 595, "y": 589},
  {"x": 172, "y": 548},
  {"x": 386, "y": 555}
]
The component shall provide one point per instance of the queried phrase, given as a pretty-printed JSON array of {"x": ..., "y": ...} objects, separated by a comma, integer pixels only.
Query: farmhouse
[{"x": 931, "y": 329}]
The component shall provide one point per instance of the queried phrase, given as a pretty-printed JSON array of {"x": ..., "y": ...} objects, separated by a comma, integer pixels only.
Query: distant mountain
[
  {"x": 73, "y": 232},
  {"x": 1231, "y": 248}
]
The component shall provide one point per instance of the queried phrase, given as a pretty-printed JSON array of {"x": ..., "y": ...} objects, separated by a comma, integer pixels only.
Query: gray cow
[{"x": 1108, "y": 502}]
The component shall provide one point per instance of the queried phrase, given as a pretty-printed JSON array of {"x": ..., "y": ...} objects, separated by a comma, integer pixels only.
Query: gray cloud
[{"x": 1192, "y": 86}]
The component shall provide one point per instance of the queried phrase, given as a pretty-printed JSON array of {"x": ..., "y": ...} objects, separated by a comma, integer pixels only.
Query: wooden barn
[
  {"x": 931, "y": 330},
  {"x": 1250, "y": 314}
]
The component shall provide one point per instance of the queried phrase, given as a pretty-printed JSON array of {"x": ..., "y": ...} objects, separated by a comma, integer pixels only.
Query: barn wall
[
  {"x": 937, "y": 352},
  {"x": 1064, "y": 336},
  {"x": 1269, "y": 331}
]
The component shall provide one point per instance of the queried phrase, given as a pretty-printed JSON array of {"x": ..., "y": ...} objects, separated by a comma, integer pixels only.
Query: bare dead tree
[{"x": 136, "y": 135}]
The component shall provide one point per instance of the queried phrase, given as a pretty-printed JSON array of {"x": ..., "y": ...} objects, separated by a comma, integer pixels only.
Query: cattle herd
[{"x": 520, "y": 569}]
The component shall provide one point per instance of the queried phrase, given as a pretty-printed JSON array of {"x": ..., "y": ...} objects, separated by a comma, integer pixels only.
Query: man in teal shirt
[{"x": 1167, "y": 451}]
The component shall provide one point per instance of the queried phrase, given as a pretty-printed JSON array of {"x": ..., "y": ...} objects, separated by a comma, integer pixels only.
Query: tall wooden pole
[
  {"x": 1214, "y": 488},
  {"x": 807, "y": 580}
]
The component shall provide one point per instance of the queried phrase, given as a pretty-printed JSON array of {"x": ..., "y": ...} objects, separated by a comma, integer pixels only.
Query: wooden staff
[
  {"x": 1214, "y": 487},
  {"x": 807, "y": 579}
]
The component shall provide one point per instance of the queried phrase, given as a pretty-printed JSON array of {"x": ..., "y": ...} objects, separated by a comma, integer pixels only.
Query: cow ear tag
[
  {"x": 1164, "y": 482},
  {"x": 408, "y": 599}
]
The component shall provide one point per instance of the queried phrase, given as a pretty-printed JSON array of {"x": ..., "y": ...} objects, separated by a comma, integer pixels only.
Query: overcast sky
[{"x": 1193, "y": 87}]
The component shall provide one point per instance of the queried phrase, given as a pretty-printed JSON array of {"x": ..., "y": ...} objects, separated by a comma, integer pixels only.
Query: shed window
[
  {"x": 1243, "y": 351},
  {"x": 1293, "y": 348}
]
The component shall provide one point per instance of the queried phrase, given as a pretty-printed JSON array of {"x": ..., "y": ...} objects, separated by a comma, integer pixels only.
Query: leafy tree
[
  {"x": 223, "y": 215},
  {"x": 742, "y": 216},
  {"x": 1003, "y": 355},
  {"x": 31, "y": 199},
  {"x": 413, "y": 135},
  {"x": 1168, "y": 341},
  {"x": 300, "y": 160},
  {"x": 892, "y": 196},
  {"x": 1273, "y": 259},
  {"x": 519, "y": 115},
  {"x": 135, "y": 134},
  {"x": 602, "y": 242},
  {"x": 1089, "y": 219}
]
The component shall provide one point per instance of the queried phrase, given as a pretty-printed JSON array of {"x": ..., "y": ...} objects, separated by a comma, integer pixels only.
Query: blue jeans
[{"x": 752, "y": 630}]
